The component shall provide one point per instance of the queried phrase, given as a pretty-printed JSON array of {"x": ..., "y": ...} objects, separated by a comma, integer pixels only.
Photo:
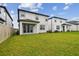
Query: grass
[{"x": 49, "y": 44}]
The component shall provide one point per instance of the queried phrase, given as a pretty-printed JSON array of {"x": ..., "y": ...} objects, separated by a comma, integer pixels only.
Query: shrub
[
  {"x": 17, "y": 32},
  {"x": 56, "y": 31},
  {"x": 68, "y": 30},
  {"x": 49, "y": 31}
]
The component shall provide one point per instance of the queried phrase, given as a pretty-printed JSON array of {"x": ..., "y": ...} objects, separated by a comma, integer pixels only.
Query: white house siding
[
  {"x": 58, "y": 22},
  {"x": 43, "y": 21},
  {"x": 2, "y": 15},
  {"x": 6, "y": 17},
  {"x": 20, "y": 28},
  {"x": 74, "y": 27},
  {"x": 78, "y": 27},
  {"x": 32, "y": 16},
  {"x": 49, "y": 25}
]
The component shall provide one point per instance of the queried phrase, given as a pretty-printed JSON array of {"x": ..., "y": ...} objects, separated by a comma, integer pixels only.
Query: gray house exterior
[
  {"x": 32, "y": 22},
  {"x": 6, "y": 26},
  {"x": 60, "y": 24}
]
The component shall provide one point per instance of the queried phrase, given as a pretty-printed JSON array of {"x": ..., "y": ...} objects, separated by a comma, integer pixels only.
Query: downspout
[
  {"x": 77, "y": 27},
  {"x": 5, "y": 17},
  {"x": 51, "y": 24},
  {"x": 18, "y": 20}
]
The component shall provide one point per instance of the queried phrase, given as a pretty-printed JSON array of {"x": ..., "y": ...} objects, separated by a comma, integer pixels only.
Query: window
[
  {"x": 37, "y": 18},
  {"x": 42, "y": 27},
  {"x": 55, "y": 20},
  {"x": 66, "y": 26},
  {"x": 57, "y": 27},
  {"x": 60, "y": 21},
  {"x": 46, "y": 19},
  {"x": 12, "y": 25},
  {"x": 22, "y": 15}
]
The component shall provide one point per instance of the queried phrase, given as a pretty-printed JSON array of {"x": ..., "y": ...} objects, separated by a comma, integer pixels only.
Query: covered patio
[
  {"x": 28, "y": 26},
  {"x": 66, "y": 27}
]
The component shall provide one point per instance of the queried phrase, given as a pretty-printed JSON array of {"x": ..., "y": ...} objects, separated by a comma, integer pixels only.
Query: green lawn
[{"x": 49, "y": 44}]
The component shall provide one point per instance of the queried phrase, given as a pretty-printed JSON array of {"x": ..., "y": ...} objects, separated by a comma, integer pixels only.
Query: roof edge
[
  {"x": 7, "y": 11},
  {"x": 33, "y": 12},
  {"x": 58, "y": 17}
]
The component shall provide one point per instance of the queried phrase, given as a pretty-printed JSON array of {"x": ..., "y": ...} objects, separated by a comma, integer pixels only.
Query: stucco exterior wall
[
  {"x": 31, "y": 16},
  {"x": 58, "y": 22},
  {"x": 74, "y": 27}
]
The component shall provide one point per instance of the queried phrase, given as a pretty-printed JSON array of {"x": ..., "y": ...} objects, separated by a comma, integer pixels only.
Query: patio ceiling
[{"x": 28, "y": 20}]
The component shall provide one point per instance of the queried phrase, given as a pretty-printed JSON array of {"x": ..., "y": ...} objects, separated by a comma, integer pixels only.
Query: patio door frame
[{"x": 28, "y": 28}]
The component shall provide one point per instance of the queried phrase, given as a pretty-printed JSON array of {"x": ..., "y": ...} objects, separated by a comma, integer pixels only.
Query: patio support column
[
  {"x": 21, "y": 28},
  {"x": 65, "y": 28}
]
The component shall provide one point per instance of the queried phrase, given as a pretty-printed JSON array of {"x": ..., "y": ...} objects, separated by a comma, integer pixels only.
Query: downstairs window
[{"x": 42, "y": 27}]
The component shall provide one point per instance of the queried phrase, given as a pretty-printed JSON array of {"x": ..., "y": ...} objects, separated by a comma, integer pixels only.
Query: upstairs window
[
  {"x": 12, "y": 25},
  {"x": 22, "y": 15},
  {"x": 37, "y": 18},
  {"x": 42, "y": 27},
  {"x": 60, "y": 21},
  {"x": 55, "y": 21},
  {"x": 46, "y": 19}
]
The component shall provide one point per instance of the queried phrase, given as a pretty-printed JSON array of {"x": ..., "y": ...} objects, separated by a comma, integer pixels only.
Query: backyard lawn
[{"x": 48, "y": 44}]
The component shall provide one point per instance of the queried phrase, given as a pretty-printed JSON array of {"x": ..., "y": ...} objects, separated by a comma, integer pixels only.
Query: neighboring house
[
  {"x": 6, "y": 25},
  {"x": 74, "y": 25},
  {"x": 5, "y": 17},
  {"x": 32, "y": 22},
  {"x": 61, "y": 24},
  {"x": 55, "y": 24}
]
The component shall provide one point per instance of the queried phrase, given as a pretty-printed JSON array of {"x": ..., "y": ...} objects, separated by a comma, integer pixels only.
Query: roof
[
  {"x": 6, "y": 11},
  {"x": 33, "y": 12},
  {"x": 2, "y": 20},
  {"x": 74, "y": 22},
  {"x": 28, "y": 20},
  {"x": 58, "y": 18},
  {"x": 66, "y": 24}
]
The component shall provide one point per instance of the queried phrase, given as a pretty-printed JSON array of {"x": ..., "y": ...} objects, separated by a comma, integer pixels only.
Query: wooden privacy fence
[{"x": 5, "y": 32}]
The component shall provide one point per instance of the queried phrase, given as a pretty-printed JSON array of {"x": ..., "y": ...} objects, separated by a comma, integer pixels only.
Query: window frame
[
  {"x": 60, "y": 21},
  {"x": 37, "y": 18},
  {"x": 42, "y": 27},
  {"x": 55, "y": 21},
  {"x": 57, "y": 27},
  {"x": 46, "y": 19},
  {"x": 22, "y": 15}
]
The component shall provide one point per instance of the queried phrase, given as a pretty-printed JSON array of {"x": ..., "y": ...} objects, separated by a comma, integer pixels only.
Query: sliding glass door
[{"x": 27, "y": 28}]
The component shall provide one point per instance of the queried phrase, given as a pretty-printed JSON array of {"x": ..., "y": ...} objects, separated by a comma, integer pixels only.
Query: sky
[{"x": 68, "y": 11}]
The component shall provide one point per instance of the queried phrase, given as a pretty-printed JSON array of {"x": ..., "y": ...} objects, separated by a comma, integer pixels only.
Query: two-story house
[
  {"x": 61, "y": 24},
  {"x": 55, "y": 24},
  {"x": 5, "y": 16},
  {"x": 6, "y": 25},
  {"x": 32, "y": 22}
]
